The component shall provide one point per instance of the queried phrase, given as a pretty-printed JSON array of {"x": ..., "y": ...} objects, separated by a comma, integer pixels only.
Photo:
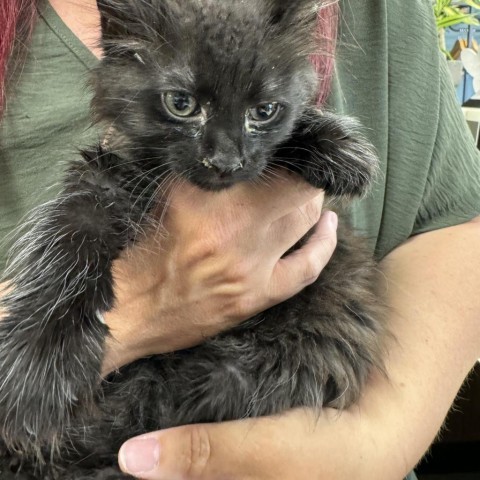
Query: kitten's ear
[
  {"x": 331, "y": 153},
  {"x": 125, "y": 19},
  {"x": 114, "y": 16}
]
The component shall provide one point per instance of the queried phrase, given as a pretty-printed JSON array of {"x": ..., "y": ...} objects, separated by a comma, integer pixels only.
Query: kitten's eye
[
  {"x": 264, "y": 113},
  {"x": 181, "y": 104}
]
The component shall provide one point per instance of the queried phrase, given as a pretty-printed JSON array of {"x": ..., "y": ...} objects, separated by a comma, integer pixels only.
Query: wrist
[
  {"x": 138, "y": 328},
  {"x": 128, "y": 338}
]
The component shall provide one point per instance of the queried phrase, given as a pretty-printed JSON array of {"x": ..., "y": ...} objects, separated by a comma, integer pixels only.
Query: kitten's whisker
[
  {"x": 132, "y": 161},
  {"x": 112, "y": 122},
  {"x": 157, "y": 197},
  {"x": 153, "y": 198},
  {"x": 269, "y": 174},
  {"x": 152, "y": 181},
  {"x": 128, "y": 100},
  {"x": 139, "y": 179},
  {"x": 174, "y": 184},
  {"x": 298, "y": 162}
]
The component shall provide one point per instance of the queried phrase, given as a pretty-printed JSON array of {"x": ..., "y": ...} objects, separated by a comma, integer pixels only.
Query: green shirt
[
  {"x": 395, "y": 83},
  {"x": 47, "y": 120}
]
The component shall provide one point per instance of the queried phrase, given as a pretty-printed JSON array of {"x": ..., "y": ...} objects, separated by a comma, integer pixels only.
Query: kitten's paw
[
  {"x": 46, "y": 375},
  {"x": 330, "y": 153}
]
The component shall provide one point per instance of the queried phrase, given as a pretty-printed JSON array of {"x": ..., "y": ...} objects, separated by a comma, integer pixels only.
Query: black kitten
[{"x": 216, "y": 92}]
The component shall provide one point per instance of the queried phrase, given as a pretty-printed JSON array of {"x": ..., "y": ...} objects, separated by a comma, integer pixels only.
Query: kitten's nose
[{"x": 223, "y": 164}]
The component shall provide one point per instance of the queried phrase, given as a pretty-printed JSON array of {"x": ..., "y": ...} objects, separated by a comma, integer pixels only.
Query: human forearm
[
  {"x": 432, "y": 288},
  {"x": 432, "y": 284}
]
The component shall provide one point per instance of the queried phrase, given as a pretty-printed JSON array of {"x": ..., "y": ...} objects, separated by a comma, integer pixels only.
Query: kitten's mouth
[
  {"x": 215, "y": 183},
  {"x": 214, "y": 180}
]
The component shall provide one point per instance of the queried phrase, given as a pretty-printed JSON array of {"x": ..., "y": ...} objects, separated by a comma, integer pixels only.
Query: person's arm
[{"x": 432, "y": 284}]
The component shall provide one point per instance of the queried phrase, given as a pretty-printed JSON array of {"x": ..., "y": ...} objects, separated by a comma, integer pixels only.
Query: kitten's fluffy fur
[{"x": 315, "y": 349}]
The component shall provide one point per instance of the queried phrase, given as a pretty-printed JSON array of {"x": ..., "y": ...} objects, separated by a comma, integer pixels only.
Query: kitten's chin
[
  {"x": 215, "y": 182},
  {"x": 214, "y": 185}
]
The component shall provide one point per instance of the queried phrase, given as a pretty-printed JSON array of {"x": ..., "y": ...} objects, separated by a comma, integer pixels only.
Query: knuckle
[
  {"x": 197, "y": 452},
  {"x": 199, "y": 252},
  {"x": 241, "y": 272},
  {"x": 331, "y": 243},
  {"x": 235, "y": 278},
  {"x": 247, "y": 305},
  {"x": 313, "y": 212},
  {"x": 313, "y": 268},
  {"x": 311, "y": 275}
]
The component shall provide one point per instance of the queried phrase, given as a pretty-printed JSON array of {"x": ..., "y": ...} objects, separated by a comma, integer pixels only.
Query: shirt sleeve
[
  {"x": 452, "y": 190},
  {"x": 392, "y": 76}
]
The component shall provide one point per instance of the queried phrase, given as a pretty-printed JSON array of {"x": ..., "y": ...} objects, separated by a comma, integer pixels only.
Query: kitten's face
[{"x": 207, "y": 90}]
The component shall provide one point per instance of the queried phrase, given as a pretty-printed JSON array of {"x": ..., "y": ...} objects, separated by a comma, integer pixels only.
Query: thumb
[
  {"x": 204, "y": 451},
  {"x": 303, "y": 266}
]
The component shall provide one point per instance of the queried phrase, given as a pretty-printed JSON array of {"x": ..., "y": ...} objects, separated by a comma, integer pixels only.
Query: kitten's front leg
[
  {"x": 51, "y": 338},
  {"x": 330, "y": 153}
]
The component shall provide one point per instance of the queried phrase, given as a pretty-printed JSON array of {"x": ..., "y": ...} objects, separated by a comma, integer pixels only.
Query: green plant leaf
[
  {"x": 448, "y": 14},
  {"x": 451, "y": 23},
  {"x": 473, "y": 3},
  {"x": 455, "y": 20}
]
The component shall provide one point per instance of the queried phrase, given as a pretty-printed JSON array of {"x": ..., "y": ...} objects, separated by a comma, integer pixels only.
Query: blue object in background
[{"x": 468, "y": 32}]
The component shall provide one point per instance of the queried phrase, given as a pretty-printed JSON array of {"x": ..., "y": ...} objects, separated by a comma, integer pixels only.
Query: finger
[
  {"x": 234, "y": 450},
  {"x": 302, "y": 267},
  {"x": 288, "y": 230},
  {"x": 192, "y": 452}
]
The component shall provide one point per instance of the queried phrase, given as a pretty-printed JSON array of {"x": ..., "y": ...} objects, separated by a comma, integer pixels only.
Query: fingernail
[
  {"x": 332, "y": 219},
  {"x": 140, "y": 455}
]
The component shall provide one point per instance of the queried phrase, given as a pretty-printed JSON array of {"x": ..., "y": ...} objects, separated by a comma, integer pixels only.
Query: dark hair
[{"x": 17, "y": 20}]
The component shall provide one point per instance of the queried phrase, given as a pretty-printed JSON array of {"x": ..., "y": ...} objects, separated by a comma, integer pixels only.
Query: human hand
[
  {"x": 292, "y": 446},
  {"x": 220, "y": 263}
]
